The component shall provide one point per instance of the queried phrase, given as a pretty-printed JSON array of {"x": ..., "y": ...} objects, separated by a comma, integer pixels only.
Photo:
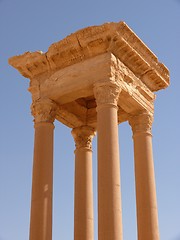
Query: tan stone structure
[{"x": 92, "y": 81}]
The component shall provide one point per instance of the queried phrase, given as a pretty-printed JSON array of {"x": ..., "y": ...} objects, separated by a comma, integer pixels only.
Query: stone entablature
[
  {"x": 116, "y": 38},
  {"x": 70, "y": 68}
]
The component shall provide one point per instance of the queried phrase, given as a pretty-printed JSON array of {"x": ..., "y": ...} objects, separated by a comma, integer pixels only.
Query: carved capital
[
  {"x": 141, "y": 123},
  {"x": 83, "y": 137},
  {"x": 106, "y": 93},
  {"x": 43, "y": 110}
]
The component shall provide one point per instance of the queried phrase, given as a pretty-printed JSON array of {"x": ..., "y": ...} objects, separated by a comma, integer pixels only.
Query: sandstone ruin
[{"x": 91, "y": 81}]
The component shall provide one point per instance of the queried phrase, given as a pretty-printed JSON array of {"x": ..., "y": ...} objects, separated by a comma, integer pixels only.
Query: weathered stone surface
[
  {"x": 70, "y": 68},
  {"x": 116, "y": 38},
  {"x": 146, "y": 203},
  {"x": 91, "y": 81},
  {"x": 83, "y": 183}
]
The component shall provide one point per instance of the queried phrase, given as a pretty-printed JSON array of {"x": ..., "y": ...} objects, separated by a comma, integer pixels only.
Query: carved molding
[
  {"x": 106, "y": 93},
  {"x": 141, "y": 123},
  {"x": 83, "y": 137},
  {"x": 89, "y": 42},
  {"x": 43, "y": 110}
]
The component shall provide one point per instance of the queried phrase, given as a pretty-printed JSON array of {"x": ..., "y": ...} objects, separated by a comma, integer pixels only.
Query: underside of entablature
[
  {"x": 83, "y": 112},
  {"x": 77, "y": 82},
  {"x": 72, "y": 89}
]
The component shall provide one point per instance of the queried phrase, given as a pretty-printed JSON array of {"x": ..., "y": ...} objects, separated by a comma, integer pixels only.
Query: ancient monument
[{"x": 92, "y": 81}]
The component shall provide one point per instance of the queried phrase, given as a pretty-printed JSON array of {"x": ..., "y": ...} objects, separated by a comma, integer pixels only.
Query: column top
[
  {"x": 141, "y": 123},
  {"x": 117, "y": 38},
  {"x": 83, "y": 137},
  {"x": 44, "y": 110},
  {"x": 107, "y": 93}
]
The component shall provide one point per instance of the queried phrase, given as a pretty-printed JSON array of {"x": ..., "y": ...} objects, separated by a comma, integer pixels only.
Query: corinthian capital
[
  {"x": 141, "y": 123},
  {"x": 106, "y": 93},
  {"x": 83, "y": 137},
  {"x": 43, "y": 110}
]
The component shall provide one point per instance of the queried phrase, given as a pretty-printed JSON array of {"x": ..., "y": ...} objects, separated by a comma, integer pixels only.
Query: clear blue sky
[{"x": 34, "y": 25}]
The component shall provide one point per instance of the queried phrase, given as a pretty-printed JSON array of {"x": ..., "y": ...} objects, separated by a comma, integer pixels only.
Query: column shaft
[
  {"x": 42, "y": 179},
  {"x": 83, "y": 197},
  {"x": 147, "y": 214},
  {"x": 109, "y": 198},
  {"x": 42, "y": 184}
]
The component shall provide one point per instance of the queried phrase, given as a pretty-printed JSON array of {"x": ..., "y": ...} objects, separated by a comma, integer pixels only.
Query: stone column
[
  {"x": 109, "y": 197},
  {"x": 147, "y": 214},
  {"x": 83, "y": 198},
  {"x": 42, "y": 179}
]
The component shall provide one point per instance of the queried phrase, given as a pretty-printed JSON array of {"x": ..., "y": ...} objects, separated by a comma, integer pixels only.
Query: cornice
[{"x": 86, "y": 43}]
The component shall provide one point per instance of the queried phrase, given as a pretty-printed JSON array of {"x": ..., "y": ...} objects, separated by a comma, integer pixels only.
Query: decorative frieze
[
  {"x": 83, "y": 137},
  {"x": 44, "y": 110},
  {"x": 116, "y": 38}
]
